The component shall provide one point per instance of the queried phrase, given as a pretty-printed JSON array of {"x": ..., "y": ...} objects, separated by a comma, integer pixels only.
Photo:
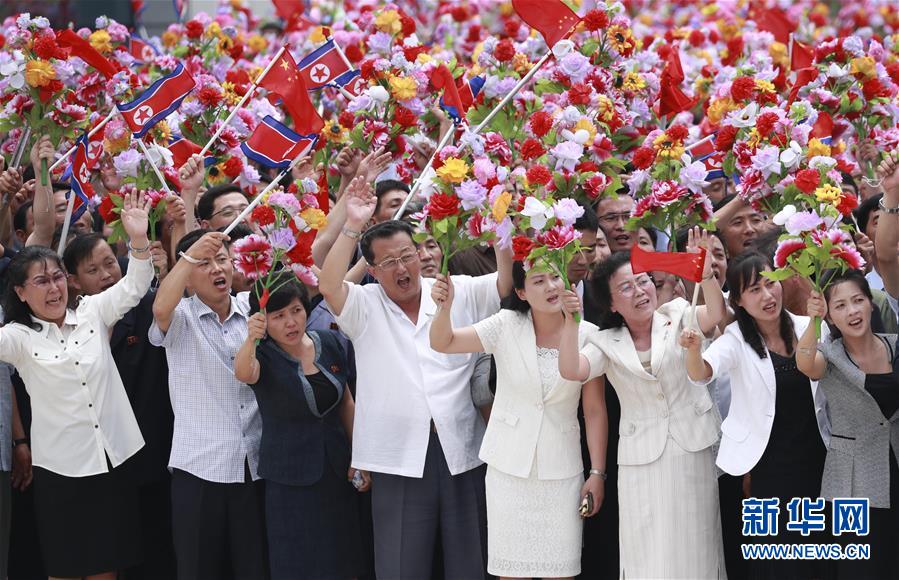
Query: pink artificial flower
[
  {"x": 253, "y": 256},
  {"x": 785, "y": 249},
  {"x": 850, "y": 255},
  {"x": 558, "y": 237}
]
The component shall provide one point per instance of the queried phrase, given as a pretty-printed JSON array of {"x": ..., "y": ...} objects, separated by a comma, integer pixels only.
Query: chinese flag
[
  {"x": 672, "y": 99},
  {"x": 284, "y": 79},
  {"x": 442, "y": 78},
  {"x": 551, "y": 18},
  {"x": 687, "y": 265},
  {"x": 803, "y": 77},
  {"x": 775, "y": 21},
  {"x": 801, "y": 57},
  {"x": 83, "y": 50},
  {"x": 823, "y": 127}
]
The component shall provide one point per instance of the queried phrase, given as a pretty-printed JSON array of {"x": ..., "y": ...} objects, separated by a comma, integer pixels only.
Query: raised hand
[
  {"x": 175, "y": 208},
  {"x": 256, "y": 325},
  {"x": 375, "y": 163},
  {"x": 690, "y": 339},
  {"x": 192, "y": 174},
  {"x": 442, "y": 292},
  {"x": 816, "y": 305},
  {"x": 360, "y": 203},
  {"x": 109, "y": 177},
  {"x": 42, "y": 149},
  {"x": 348, "y": 162},
  {"x": 10, "y": 182},
  {"x": 571, "y": 304},
  {"x": 889, "y": 173},
  {"x": 697, "y": 238},
  {"x": 865, "y": 245},
  {"x": 160, "y": 259},
  {"x": 135, "y": 214},
  {"x": 207, "y": 247},
  {"x": 304, "y": 168}
]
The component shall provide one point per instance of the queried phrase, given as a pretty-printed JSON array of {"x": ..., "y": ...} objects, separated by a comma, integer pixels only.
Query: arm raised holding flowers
[
  {"x": 573, "y": 366},
  {"x": 443, "y": 337},
  {"x": 714, "y": 310},
  {"x": 809, "y": 361},
  {"x": 43, "y": 211},
  {"x": 886, "y": 241}
]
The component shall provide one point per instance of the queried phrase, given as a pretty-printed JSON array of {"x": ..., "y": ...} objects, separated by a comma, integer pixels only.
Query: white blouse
[{"x": 80, "y": 410}]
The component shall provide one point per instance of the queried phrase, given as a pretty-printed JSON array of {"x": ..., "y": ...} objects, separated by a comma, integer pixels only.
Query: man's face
[
  {"x": 225, "y": 209},
  {"x": 83, "y": 224},
  {"x": 211, "y": 280},
  {"x": 582, "y": 262},
  {"x": 397, "y": 267},
  {"x": 741, "y": 230},
  {"x": 99, "y": 271},
  {"x": 613, "y": 215},
  {"x": 716, "y": 189},
  {"x": 388, "y": 204},
  {"x": 430, "y": 256}
]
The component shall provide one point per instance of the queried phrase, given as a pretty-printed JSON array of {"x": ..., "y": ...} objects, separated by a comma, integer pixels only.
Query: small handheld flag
[
  {"x": 157, "y": 102},
  {"x": 274, "y": 145}
]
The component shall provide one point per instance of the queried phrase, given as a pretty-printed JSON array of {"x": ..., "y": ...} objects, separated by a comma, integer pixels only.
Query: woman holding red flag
[{"x": 667, "y": 482}]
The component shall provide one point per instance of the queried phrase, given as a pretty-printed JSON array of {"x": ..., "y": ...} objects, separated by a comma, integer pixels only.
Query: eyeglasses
[
  {"x": 629, "y": 288},
  {"x": 44, "y": 282},
  {"x": 394, "y": 263},
  {"x": 610, "y": 219},
  {"x": 229, "y": 211}
]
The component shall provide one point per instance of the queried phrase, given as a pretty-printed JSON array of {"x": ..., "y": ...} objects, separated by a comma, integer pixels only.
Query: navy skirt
[{"x": 313, "y": 530}]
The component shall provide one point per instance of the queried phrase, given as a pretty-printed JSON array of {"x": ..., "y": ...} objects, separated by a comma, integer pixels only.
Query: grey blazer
[{"x": 857, "y": 457}]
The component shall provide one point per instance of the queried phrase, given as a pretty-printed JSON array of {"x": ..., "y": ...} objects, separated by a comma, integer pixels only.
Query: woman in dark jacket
[{"x": 299, "y": 378}]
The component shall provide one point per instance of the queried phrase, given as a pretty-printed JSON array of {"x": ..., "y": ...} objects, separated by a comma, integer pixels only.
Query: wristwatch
[
  {"x": 22, "y": 441},
  {"x": 353, "y": 234},
  {"x": 602, "y": 474},
  {"x": 887, "y": 209}
]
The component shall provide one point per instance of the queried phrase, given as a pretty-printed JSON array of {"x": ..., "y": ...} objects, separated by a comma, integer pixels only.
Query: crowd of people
[{"x": 388, "y": 357}]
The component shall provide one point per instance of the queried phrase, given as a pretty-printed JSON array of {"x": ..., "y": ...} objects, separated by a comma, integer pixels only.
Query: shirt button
[
  {"x": 83, "y": 384},
  {"x": 665, "y": 413},
  {"x": 660, "y": 396},
  {"x": 76, "y": 362},
  {"x": 90, "y": 404},
  {"x": 96, "y": 426},
  {"x": 241, "y": 406},
  {"x": 540, "y": 406}
]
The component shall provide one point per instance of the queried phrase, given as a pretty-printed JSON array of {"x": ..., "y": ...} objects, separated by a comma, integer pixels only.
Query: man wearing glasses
[
  {"x": 613, "y": 215},
  {"x": 219, "y": 206},
  {"x": 416, "y": 428}
]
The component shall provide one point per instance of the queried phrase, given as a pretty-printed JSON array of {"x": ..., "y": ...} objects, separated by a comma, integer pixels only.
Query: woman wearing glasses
[
  {"x": 667, "y": 486},
  {"x": 83, "y": 428}
]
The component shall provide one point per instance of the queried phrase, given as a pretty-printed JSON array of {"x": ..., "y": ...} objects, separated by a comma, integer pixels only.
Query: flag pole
[
  {"x": 274, "y": 183},
  {"x": 20, "y": 148},
  {"x": 696, "y": 286},
  {"x": 90, "y": 134},
  {"x": 146, "y": 153},
  {"x": 67, "y": 221},
  {"x": 513, "y": 92},
  {"x": 418, "y": 182},
  {"x": 243, "y": 101}
]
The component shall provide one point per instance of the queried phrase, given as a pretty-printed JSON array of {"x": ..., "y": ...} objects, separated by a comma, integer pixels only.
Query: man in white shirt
[{"x": 415, "y": 428}]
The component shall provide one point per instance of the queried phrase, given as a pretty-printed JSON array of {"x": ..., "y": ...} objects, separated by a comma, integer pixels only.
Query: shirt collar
[
  {"x": 202, "y": 309},
  {"x": 70, "y": 320}
]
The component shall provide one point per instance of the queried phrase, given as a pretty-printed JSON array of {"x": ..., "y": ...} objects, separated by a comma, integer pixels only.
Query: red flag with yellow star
[
  {"x": 687, "y": 265},
  {"x": 284, "y": 79},
  {"x": 551, "y": 18}
]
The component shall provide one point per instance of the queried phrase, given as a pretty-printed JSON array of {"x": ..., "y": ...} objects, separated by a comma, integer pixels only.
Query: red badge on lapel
[
  {"x": 335, "y": 369},
  {"x": 132, "y": 340}
]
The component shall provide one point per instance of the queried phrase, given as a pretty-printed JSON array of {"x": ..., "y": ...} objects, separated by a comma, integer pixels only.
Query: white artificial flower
[
  {"x": 745, "y": 117},
  {"x": 791, "y": 156},
  {"x": 835, "y": 71},
  {"x": 160, "y": 156},
  {"x": 538, "y": 211},
  {"x": 562, "y": 48},
  {"x": 783, "y": 215},
  {"x": 378, "y": 94}
]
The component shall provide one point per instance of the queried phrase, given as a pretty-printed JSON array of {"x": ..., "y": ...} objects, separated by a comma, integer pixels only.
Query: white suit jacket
[
  {"x": 746, "y": 430},
  {"x": 524, "y": 424},
  {"x": 654, "y": 406}
]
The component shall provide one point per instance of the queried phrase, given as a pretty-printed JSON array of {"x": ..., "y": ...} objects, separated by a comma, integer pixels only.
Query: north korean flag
[
  {"x": 468, "y": 91},
  {"x": 710, "y": 157},
  {"x": 274, "y": 145},
  {"x": 141, "y": 50},
  {"x": 81, "y": 177},
  {"x": 352, "y": 82},
  {"x": 323, "y": 66},
  {"x": 157, "y": 102},
  {"x": 182, "y": 149}
]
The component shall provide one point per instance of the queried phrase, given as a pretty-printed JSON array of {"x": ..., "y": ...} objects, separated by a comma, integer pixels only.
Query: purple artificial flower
[
  {"x": 576, "y": 66},
  {"x": 804, "y": 221},
  {"x": 766, "y": 160},
  {"x": 568, "y": 211},
  {"x": 471, "y": 193},
  {"x": 282, "y": 239}
]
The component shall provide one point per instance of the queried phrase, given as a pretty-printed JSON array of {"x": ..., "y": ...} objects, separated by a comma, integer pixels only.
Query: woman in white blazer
[
  {"x": 670, "y": 525},
  {"x": 535, "y": 474},
  {"x": 777, "y": 427}
]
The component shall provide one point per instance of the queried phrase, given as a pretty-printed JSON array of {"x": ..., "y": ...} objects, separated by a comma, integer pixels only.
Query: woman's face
[
  {"x": 45, "y": 291},
  {"x": 763, "y": 299},
  {"x": 644, "y": 240},
  {"x": 287, "y": 325},
  {"x": 633, "y": 296},
  {"x": 543, "y": 291},
  {"x": 602, "y": 247},
  {"x": 849, "y": 309}
]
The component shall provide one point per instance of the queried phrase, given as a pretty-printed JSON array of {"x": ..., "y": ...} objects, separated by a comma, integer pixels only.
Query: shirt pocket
[
  {"x": 504, "y": 417},
  {"x": 85, "y": 344}
]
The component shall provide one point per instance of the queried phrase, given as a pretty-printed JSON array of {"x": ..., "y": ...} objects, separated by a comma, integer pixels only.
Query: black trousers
[
  {"x": 156, "y": 532},
  {"x": 218, "y": 529}
]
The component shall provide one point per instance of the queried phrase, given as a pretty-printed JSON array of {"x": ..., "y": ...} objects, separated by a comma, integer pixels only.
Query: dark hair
[
  {"x": 14, "y": 309},
  {"x": 587, "y": 222},
  {"x": 79, "y": 249},
  {"x": 766, "y": 242},
  {"x": 602, "y": 287},
  {"x": 513, "y": 301},
  {"x": 848, "y": 180},
  {"x": 651, "y": 232},
  {"x": 745, "y": 270},
  {"x": 287, "y": 288},
  {"x": 382, "y": 187},
  {"x": 206, "y": 205},
  {"x": 380, "y": 231},
  {"x": 20, "y": 219},
  {"x": 831, "y": 278},
  {"x": 682, "y": 234},
  {"x": 191, "y": 238},
  {"x": 865, "y": 209},
  {"x": 239, "y": 232},
  {"x": 60, "y": 186}
]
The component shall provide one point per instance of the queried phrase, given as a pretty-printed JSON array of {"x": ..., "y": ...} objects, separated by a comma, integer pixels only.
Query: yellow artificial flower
[
  {"x": 864, "y": 67},
  {"x": 423, "y": 58},
  {"x": 816, "y": 148},
  {"x": 318, "y": 35},
  {"x": 754, "y": 138},
  {"x": 828, "y": 193},
  {"x": 728, "y": 30},
  {"x": 170, "y": 39},
  {"x": 453, "y": 170},
  {"x": 213, "y": 30},
  {"x": 389, "y": 21},
  {"x": 506, "y": 9},
  {"x": 719, "y": 108},
  {"x": 667, "y": 149},
  {"x": 101, "y": 41},
  {"x": 314, "y": 218},
  {"x": 645, "y": 19},
  {"x": 633, "y": 82},
  {"x": 501, "y": 206},
  {"x": 334, "y": 132},
  {"x": 257, "y": 43},
  {"x": 605, "y": 109},
  {"x": 225, "y": 44},
  {"x": 115, "y": 146},
  {"x": 39, "y": 73},
  {"x": 765, "y": 86},
  {"x": 621, "y": 38},
  {"x": 162, "y": 132},
  {"x": 588, "y": 126},
  {"x": 709, "y": 9},
  {"x": 231, "y": 96},
  {"x": 521, "y": 64},
  {"x": 403, "y": 88},
  {"x": 779, "y": 53}
]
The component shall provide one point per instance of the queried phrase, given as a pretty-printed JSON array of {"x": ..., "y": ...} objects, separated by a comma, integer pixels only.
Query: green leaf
[{"x": 778, "y": 275}]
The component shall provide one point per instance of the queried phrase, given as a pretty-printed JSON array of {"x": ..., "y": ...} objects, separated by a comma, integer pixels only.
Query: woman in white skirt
[
  {"x": 670, "y": 524},
  {"x": 535, "y": 475}
]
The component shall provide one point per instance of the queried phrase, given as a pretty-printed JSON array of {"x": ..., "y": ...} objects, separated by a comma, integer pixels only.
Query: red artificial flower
[
  {"x": 2, "y": 41},
  {"x": 579, "y": 94},
  {"x": 539, "y": 175},
  {"x": 677, "y": 133},
  {"x": 558, "y": 237},
  {"x": 596, "y": 185},
  {"x": 807, "y": 180},
  {"x": 596, "y": 20},
  {"x": 107, "y": 208},
  {"x": 785, "y": 249},
  {"x": 848, "y": 202},
  {"x": 873, "y": 89},
  {"x": 541, "y": 123},
  {"x": 193, "y": 29},
  {"x": 442, "y": 205},
  {"x": 586, "y": 167},
  {"x": 253, "y": 256},
  {"x": 408, "y": 24},
  {"x": 742, "y": 88},
  {"x": 725, "y": 138},
  {"x": 892, "y": 70},
  {"x": 734, "y": 51},
  {"x": 643, "y": 157},
  {"x": 459, "y": 13},
  {"x": 209, "y": 96},
  {"x": 521, "y": 248},
  {"x": 411, "y": 53},
  {"x": 764, "y": 123},
  {"x": 46, "y": 92},
  {"x": 404, "y": 117},
  {"x": 504, "y": 50},
  {"x": 347, "y": 120},
  {"x": 239, "y": 78},
  {"x": 697, "y": 38},
  {"x": 531, "y": 149},
  {"x": 367, "y": 69},
  {"x": 353, "y": 53},
  {"x": 850, "y": 255},
  {"x": 45, "y": 46},
  {"x": 511, "y": 27},
  {"x": 233, "y": 167},
  {"x": 474, "y": 33}
]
